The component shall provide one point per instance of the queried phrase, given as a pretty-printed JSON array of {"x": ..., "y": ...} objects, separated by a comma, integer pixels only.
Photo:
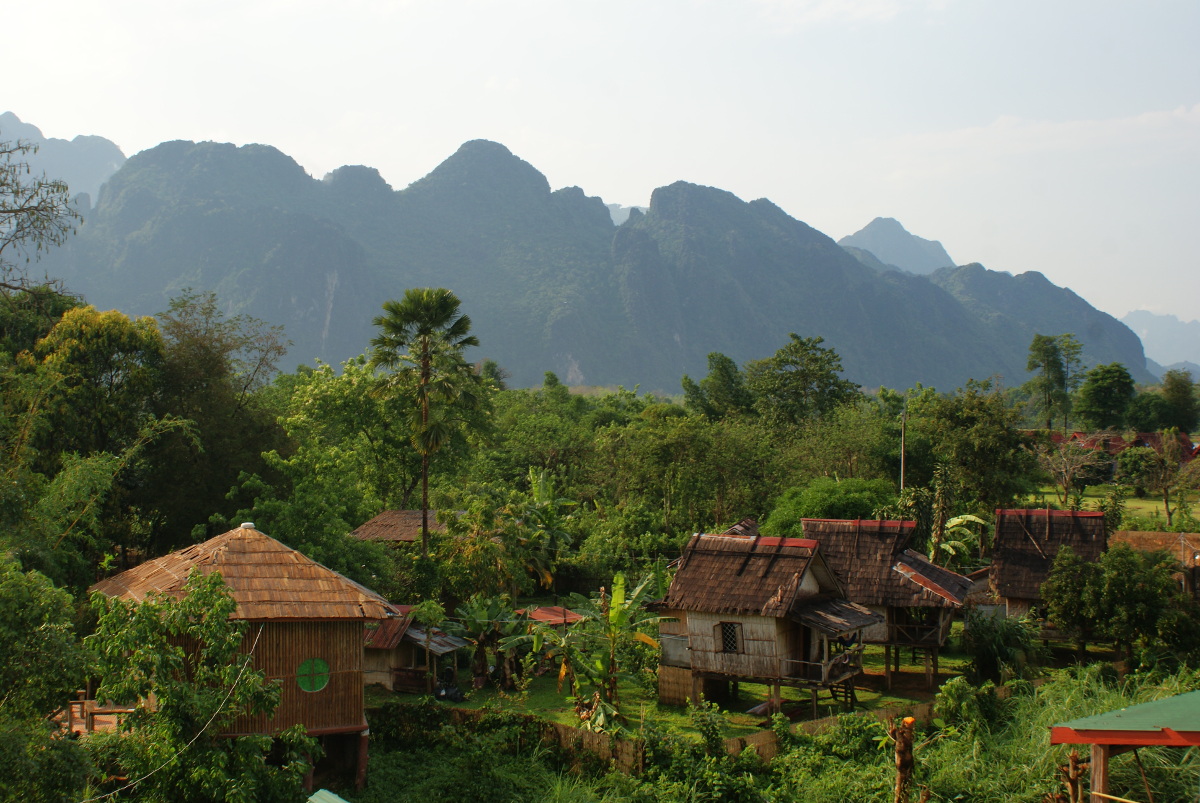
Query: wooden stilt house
[
  {"x": 766, "y": 610},
  {"x": 399, "y": 653},
  {"x": 1026, "y": 544},
  {"x": 307, "y": 622},
  {"x": 916, "y": 598}
]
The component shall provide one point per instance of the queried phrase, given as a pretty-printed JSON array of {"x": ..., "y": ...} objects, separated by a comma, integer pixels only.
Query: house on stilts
[
  {"x": 744, "y": 607},
  {"x": 916, "y": 598},
  {"x": 308, "y": 622}
]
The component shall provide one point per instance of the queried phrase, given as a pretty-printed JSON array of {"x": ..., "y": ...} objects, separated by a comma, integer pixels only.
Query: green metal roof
[
  {"x": 1179, "y": 713},
  {"x": 325, "y": 796}
]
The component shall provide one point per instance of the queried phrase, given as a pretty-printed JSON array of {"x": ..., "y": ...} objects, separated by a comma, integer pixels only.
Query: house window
[
  {"x": 313, "y": 674},
  {"x": 730, "y": 636}
]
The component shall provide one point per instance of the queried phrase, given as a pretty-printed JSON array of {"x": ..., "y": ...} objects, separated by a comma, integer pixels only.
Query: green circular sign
[{"x": 313, "y": 675}]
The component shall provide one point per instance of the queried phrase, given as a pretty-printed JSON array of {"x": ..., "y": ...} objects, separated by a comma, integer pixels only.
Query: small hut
[
  {"x": 396, "y": 527},
  {"x": 1184, "y": 547},
  {"x": 396, "y": 653},
  {"x": 765, "y": 610},
  {"x": 308, "y": 622},
  {"x": 916, "y": 598},
  {"x": 1026, "y": 543}
]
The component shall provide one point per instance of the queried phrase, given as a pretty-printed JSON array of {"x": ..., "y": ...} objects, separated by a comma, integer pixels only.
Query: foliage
[
  {"x": 979, "y": 434},
  {"x": 723, "y": 392},
  {"x": 35, "y": 214},
  {"x": 1179, "y": 392},
  {"x": 421, "y": 341},
  {"x": 1128, "y": 597},
  {"x": 184, "y": 656},
  {"x": 41, "y": 666},
  {"x": 1102, "y": 401},
  {"x": 1161, "y": 471},
  {"x": 1055, "y": 358},
  {"x": 1001, "y": 647},
  {"x": 800, "y": 381},
  {"x": 1069, "y": 464},
  {"x": 828, "y": 498}
]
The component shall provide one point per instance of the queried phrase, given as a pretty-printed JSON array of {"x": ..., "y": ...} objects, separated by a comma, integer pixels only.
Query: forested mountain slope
[{"x": 549, "y": 281}]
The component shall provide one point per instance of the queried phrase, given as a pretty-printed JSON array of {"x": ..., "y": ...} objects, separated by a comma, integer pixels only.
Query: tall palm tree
[{"x": 421, "y": 340}]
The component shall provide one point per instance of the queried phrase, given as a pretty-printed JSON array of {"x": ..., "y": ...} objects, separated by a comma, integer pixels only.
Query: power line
[{"x": 181, "y": 750}]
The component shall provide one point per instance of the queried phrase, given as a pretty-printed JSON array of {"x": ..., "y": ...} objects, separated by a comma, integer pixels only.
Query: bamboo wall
[
  {"x": 674, "y": 685},
  {"x": 377, "y": 667},
  {"x": 760, "y": 645},
  {"x": 282, "y": 647}
]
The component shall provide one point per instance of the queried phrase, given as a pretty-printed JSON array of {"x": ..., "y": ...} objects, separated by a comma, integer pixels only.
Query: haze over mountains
[
  {"x": 550, "y": 282},
  {"x": 84, "y": 162},
  {"x": 889, "y": 242}
]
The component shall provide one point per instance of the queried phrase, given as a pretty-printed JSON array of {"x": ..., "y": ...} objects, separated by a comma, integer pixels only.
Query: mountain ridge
[{"x": 548, "y": 279}]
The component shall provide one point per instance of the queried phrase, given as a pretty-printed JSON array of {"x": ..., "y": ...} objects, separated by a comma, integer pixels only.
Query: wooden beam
[{"x": 1100, "y": 754}]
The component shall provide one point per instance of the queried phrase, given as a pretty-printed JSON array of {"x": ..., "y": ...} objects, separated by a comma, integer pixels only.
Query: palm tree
[{"x": 421, "y": 340}]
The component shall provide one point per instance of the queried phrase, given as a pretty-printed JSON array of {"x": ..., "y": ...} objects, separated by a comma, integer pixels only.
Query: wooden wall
[
  {"x": 760, "y": 645},
  {"x": 282, "y": 647}
]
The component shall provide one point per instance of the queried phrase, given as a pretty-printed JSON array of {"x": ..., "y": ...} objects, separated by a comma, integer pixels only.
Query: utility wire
[{"x": 181, "y": 750}]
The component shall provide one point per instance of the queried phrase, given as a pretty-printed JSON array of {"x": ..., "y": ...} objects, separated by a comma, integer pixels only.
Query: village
[{"x": 741, "y": 608}]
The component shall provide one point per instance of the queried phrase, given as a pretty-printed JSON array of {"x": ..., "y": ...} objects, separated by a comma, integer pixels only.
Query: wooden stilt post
[
  {"x": 813, "y": 693},
  {"x": 1100, "y": 754},
  {"x": 360, "y": 776},
  {"x": 887, "y": 665}
]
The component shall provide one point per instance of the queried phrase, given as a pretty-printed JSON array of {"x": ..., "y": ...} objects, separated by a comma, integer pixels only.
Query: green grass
[{"x": 1146, "y": 507}]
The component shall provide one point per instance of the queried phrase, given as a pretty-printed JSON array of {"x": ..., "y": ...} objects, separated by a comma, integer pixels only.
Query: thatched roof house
[
  {"x": 875, "y": 567},
  {"x": 762, "y": 609},
  {"x": 311, "y": 618},
  {"x": 1184, "y": 547},
  {"x": 1026, "y": 544},
  {"x": 397, "y": 527}
]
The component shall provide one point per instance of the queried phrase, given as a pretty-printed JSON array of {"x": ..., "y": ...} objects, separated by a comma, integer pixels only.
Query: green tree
[
  {"x": 214, "y": 371},
  {"x": 421, "y": 341},
  {"x": 35, "y": 214},
  {"x": 977, "y": 432},
  {"x": 1072, "y": 596},
  {"x": 1103, "y": 400},
  {"x": 800, "y": 381},
  {"x": 42, "y": 664},
  {"x": 185, "y": 656},
  {"x": 721, "y": 393},
  {"x": 828, "y": 498},
  {"x": 1048, "y": 387},
  {"x": 1160, "y": 471},
  {"x": 1179, "y": 392}
]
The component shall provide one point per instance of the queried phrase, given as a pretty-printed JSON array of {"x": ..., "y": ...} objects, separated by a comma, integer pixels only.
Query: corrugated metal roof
[
  {"x": 439, "y": 643},
  {"x": 267, "y": 580},
  {"x": 1173, "y": 720},
  {"x": 385, "y": 635},
  {"x": 325, "y": 796},
  {"x": 552, "y": 614}
]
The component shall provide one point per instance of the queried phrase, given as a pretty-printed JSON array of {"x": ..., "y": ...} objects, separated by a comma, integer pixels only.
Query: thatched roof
[
  {"x": 736, "y": 574},
  {"x": 398, "y": 526},
  {"x": 874, "y": 566},
  {"x": 1184, "y": 547},
  {"x": 266, "y": 579},
  {"x": 1027, "y": 542}
]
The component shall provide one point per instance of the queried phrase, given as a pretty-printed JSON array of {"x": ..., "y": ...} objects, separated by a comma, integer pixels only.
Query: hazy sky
[{"x": 1055, "y": 135}]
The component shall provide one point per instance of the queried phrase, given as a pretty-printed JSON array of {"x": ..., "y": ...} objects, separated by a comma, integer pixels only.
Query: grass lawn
[
  {"x": 1148, "y": 507},
  {"x": 641, "y": 705}
]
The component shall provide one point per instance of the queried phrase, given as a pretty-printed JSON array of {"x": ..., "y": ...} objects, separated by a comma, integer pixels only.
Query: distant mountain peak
[
  {"x": 84, "y": 162},
  {"x": 892, "y": 244}
]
